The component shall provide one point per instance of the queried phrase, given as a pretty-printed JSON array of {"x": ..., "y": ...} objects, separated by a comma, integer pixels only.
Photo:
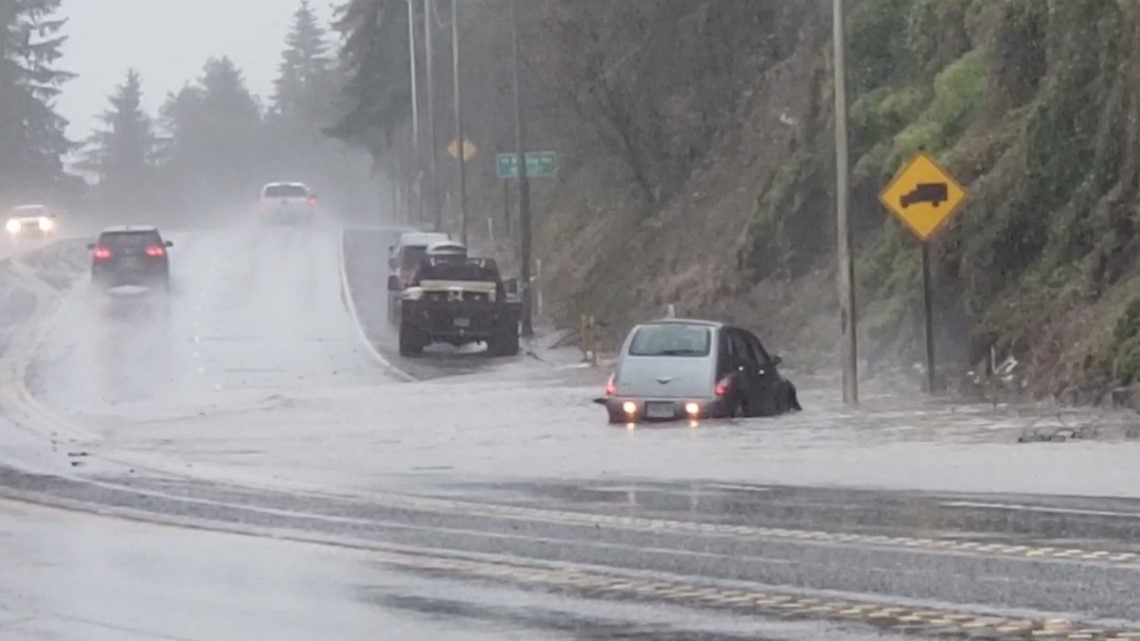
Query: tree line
[{"x": 211, "y": 144}]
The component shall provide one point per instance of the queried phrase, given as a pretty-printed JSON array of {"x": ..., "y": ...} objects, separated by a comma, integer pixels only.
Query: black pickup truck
[{"x": 458, "y": 301}]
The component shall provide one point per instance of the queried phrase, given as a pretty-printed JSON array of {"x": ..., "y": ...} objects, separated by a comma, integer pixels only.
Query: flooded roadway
[{"x": 490, "y": 501}]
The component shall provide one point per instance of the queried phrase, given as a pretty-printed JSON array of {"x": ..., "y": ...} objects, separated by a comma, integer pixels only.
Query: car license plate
[
  {"x": 463, "y": 322},
  {"x": 660, "y": 410}
]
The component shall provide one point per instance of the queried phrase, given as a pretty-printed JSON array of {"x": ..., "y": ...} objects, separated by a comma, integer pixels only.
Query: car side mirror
[
  {"x": 91, "y": 246},
  {"x": 394, "y": 284},
  {"x": 600, "y": 400},
  {"x": 169, "y": 243},
  {"x": 776, "y": 360}
]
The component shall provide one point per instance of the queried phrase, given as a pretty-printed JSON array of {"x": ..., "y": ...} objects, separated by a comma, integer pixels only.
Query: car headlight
[
  {"x": 46, "y": 224},
  {"x": 13, "y": 226}
]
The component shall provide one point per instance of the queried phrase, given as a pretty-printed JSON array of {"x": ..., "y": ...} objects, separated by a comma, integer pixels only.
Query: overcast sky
[{"x": 168, "y": 41}]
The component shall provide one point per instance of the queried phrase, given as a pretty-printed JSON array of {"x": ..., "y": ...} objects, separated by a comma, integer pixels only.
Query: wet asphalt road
[{"x": 536, "y": 558}]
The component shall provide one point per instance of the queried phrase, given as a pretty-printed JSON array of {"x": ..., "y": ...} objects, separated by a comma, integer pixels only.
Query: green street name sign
[{"x": 539, "y": 164}]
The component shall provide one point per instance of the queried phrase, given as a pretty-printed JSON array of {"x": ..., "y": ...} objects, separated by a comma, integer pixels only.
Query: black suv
[{"x": 130, "y": 256}]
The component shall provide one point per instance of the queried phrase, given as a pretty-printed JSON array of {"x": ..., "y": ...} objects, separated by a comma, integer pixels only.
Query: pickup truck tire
[
  {"x": 509, "y": 345},
  {"x": 506, "y": 341},
  {"x": 410, "y": 343}
]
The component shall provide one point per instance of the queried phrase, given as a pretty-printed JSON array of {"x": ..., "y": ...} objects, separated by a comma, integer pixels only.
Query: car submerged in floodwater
[{"x": 677, "y": 368}]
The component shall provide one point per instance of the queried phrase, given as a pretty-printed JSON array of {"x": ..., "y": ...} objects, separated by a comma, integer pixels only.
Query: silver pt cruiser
[{"x": 682, "y": 368}]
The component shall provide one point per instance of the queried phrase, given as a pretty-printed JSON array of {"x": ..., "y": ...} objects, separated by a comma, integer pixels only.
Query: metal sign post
[
  {"x": 924, "y": 196},
  {"x": 928, "y": 319}
]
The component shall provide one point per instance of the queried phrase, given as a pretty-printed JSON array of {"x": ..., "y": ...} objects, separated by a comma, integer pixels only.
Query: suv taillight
[
  {"x": 312, "y": 202},
  {"x": 611, "y": 386},
  {"x": 103, "y": 253},
  {"x": 156, "y": 251}
]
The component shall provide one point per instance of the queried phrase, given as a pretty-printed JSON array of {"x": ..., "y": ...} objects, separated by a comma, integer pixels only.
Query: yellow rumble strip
[{"x": 761, "y": 603}]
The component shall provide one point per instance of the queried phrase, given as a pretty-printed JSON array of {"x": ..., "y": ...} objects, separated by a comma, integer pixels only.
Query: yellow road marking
[{"x": 884, "y": 616}]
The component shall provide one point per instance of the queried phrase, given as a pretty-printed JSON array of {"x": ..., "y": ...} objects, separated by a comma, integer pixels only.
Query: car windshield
[
  {"x": 671, "y": 340},
  {"x": 130, "y": 240},
  {"x": 286, "y": 191},
  {"x": 412, "y": 257}
]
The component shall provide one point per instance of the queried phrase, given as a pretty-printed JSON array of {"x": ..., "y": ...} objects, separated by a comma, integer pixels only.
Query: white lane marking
[
  {"x": 346, "y": 290},
  {"x": 1039, "y": 508},
  {"x": 733, "y": 486}
]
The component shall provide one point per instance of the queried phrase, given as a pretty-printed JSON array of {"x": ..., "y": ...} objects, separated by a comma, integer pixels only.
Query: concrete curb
[{"x": 350, "y": 306}]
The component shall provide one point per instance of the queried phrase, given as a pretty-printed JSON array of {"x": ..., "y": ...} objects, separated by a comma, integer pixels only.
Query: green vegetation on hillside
[
  {"x": 697, "y": 168},
  {"x": 1032, "y": 104}
]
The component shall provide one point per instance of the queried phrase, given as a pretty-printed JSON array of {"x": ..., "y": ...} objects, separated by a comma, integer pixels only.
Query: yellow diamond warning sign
[
  {"x": 469, "y": 149},
  {"x": 923, "y": 195}
]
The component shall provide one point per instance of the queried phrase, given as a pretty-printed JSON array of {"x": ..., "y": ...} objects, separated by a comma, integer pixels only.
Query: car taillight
[
  {"x": 722, "y": 387},
  {"x": 261, "y": 205},
  {"x": 102, "y": 253},
  {"x": 312, "y": 202},
  {"x": 155, "y": 251},
  {"x": 611, "y": 386}
]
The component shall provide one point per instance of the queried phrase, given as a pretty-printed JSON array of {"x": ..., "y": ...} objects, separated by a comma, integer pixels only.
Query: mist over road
[{"x": 262, "y": 397}]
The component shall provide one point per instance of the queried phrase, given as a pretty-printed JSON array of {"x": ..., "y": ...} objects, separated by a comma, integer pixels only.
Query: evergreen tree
[
  {"x": 32, "y": 137},
  {"x": 305, "y": 85},
  {"x": 374, "y": 60},
  {"x": 123, "y": 153},
  {"x": 216, "y": 142}
]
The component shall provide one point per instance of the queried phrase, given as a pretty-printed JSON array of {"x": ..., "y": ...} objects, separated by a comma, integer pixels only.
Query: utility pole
[
  {"x": 437, "y": 206},
  {"x": 416, "y": 164},
  {"x": 524, "y": 183},
  {"x": 846, "y": 263},
  {"x": 412, "y": 63},
  {"x": 459, "y": 121}
]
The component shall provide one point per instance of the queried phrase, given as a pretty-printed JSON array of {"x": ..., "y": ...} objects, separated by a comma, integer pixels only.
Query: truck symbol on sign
[{"x": 933, "y": 193}]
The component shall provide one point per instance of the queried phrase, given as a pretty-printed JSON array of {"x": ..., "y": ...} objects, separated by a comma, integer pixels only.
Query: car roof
[
  {"x": 424, "y": 238},
  {"x": 445, "y": 244},
  {"x": 685, "y": 321},
  {"x": 285, "y": 184},
  {"x": 23, "y": 207},
  {"x": 123, "y": 229}
]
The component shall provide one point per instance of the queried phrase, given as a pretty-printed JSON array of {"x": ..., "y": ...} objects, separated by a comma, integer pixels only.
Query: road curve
[{"x": 246, "y": 403}]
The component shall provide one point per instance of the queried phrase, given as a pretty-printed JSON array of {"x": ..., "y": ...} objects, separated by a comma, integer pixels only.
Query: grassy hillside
[{"x": 697, "y": 169}]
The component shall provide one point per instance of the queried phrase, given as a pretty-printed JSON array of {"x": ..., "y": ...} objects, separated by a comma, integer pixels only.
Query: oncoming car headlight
[
  {"x": 13, "y": 226},
  {"x": 46, "y": 224}
]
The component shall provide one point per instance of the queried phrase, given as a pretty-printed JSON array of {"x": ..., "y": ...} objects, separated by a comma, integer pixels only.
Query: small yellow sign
[
  {"x": 924, "y": 196},
  {"x": 469, "y": 149}
]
